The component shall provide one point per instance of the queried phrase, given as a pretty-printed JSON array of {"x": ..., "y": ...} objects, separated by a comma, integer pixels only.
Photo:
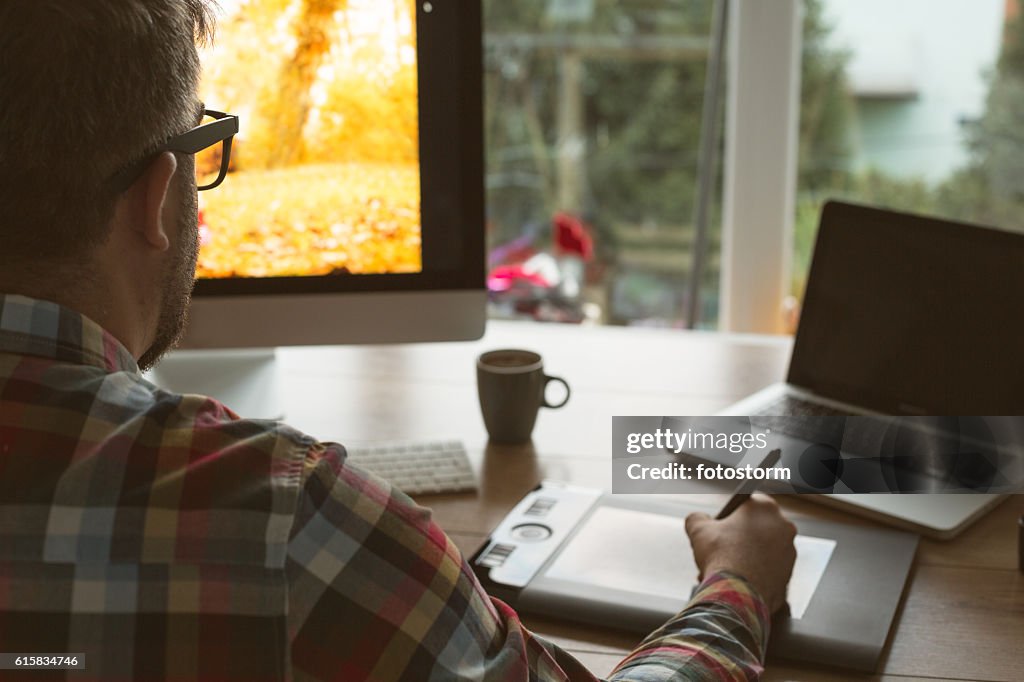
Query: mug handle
[{"x": 544, "y": 394}]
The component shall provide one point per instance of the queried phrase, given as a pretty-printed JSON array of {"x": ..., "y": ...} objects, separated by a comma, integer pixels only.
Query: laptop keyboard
[
  {"x": 798, "y": 407},
  {"x": 802, "y": 419}
]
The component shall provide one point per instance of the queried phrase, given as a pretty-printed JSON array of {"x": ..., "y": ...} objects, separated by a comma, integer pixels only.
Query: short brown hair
[{"x": 86, "y": 86}]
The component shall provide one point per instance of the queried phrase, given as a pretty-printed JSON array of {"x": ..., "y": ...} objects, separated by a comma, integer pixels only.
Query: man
[{"x": 161, "y": 535}]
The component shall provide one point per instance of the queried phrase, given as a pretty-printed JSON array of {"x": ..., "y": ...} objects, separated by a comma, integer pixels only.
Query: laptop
[{"x": 906, "y": 315}]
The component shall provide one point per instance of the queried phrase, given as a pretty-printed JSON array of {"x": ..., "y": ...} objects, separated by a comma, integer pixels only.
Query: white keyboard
[{"x": 419, "y": 467}]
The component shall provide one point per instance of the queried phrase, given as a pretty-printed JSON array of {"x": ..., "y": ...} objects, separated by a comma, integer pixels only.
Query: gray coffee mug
[{"x": 512, "y": 386}]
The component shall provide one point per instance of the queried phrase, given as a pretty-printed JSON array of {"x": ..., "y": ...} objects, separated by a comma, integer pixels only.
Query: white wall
[{"x": 940, "y": 50}]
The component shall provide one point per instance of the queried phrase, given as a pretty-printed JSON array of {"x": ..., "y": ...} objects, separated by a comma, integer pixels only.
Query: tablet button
[
  {"x": 531, "y": 532},
  {"x": 496, "y": 555}
]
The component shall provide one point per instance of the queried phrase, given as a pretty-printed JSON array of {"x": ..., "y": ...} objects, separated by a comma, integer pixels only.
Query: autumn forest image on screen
[{"x": 324, "y": 174}]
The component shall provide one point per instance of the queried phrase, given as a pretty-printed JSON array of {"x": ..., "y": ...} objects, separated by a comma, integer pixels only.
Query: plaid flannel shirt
[{"x": 165, "y": 538}]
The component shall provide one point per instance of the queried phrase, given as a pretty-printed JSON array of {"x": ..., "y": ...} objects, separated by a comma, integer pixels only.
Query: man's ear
[{"x": 156, "y": 184}]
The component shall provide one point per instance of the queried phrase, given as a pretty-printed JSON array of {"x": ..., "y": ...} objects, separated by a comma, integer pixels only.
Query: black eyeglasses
[{"x": 212, "y": 136}]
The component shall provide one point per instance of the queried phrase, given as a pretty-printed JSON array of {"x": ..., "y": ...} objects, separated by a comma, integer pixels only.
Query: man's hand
[{"x": 755, "y": 542}]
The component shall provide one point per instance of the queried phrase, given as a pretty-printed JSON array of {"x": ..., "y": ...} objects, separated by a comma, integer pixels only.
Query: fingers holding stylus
[{"x": 755, "y": 542}]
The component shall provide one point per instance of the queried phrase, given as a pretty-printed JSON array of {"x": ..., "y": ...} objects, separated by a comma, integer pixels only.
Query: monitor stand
[{"x": 243, "y": 380}]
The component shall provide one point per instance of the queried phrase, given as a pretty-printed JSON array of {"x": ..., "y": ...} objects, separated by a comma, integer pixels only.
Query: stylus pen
[
  {"x": 747, "y": 487},
  {"x": 1020, "y": 544}
]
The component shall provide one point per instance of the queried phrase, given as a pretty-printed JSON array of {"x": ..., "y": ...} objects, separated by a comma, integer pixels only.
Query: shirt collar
[{"x": 40, "y": 328}]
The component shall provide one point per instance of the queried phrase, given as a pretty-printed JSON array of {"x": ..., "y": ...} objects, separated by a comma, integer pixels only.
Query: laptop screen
[{"x": 912, "y": 315}]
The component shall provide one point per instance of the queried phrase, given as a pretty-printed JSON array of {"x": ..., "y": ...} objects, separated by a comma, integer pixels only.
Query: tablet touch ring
[{"x": 531, "y": 532}]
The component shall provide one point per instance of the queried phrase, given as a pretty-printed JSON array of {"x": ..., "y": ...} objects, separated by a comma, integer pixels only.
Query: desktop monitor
[
  {"x": 352, "y": 211},
  {"x": 353, "y": 208}
]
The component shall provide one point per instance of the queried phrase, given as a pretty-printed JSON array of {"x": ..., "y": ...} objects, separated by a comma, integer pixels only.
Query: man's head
[{"x": 87, "y": 88}]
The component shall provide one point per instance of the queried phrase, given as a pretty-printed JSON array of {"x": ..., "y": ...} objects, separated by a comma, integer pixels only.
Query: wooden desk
[{"x": 962, "y": 618}]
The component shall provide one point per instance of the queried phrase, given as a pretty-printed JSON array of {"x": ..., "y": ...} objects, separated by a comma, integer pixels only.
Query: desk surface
[{"x": 962, "y": 617}]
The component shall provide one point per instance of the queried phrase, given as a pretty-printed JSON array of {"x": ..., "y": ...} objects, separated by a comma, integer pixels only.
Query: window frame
[{"x": 760, "y": 165}]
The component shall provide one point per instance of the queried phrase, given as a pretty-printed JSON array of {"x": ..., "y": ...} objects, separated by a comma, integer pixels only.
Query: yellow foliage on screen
[{"x": 325, "y": 171}]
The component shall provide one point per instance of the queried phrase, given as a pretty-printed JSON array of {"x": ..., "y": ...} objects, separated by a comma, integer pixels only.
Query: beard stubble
[{"x": 178, "y": 281}]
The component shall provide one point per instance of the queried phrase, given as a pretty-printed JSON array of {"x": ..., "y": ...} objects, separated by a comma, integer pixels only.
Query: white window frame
[{"x": 760, "y": 165}]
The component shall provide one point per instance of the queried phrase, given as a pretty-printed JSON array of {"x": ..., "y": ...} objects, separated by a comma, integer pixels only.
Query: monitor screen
[{"x": 357, "y": 170}]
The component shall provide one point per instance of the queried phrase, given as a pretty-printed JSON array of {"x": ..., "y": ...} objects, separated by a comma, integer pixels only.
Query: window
[
  {"x": 593, "y": 131},
  {"x": 920, "y": 111}
]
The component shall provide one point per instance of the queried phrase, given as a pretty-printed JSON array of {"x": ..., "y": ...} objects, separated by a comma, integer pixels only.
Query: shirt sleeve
[
  {"x": 378, "y": 592},
  {"x": 722, "y": 634}
]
